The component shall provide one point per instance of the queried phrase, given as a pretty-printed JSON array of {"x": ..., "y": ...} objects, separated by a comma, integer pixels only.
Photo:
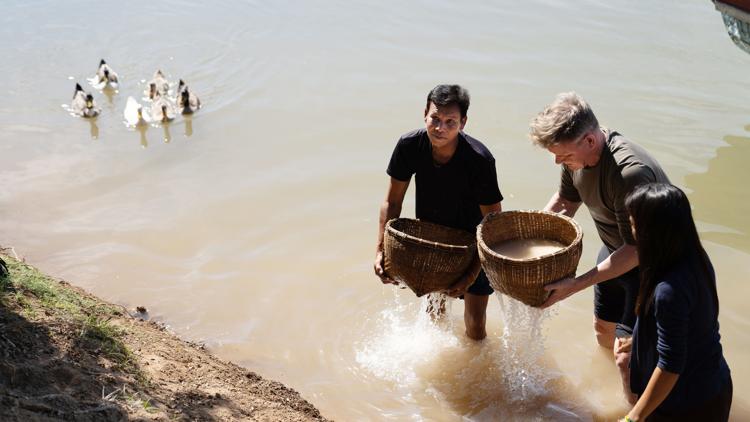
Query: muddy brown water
[
  {"x": 527, "y": 248},
  {"x": 251, "y": 225}
]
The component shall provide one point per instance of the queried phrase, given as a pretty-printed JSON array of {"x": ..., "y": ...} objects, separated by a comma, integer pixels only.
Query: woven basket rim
[
  {"x": 419, "y": 241},
  {"x": 489, "y": 251}
]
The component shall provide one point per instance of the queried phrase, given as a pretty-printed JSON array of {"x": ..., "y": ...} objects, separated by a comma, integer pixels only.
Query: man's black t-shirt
[{"x": 450, "y": 193}]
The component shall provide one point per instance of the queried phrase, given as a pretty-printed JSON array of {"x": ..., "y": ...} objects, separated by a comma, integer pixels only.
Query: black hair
[
  {"x": 665, "y": 236},
  {"x": 443, "y": 95}
]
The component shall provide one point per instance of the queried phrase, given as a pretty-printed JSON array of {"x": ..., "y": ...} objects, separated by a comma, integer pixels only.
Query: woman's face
[{"x": 632, "y": 227}]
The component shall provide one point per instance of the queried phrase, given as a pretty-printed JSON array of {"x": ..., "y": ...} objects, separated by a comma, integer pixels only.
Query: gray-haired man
[{"x": 599, "y": 168}]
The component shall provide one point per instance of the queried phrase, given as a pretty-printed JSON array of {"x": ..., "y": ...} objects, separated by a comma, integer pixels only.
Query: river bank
[{"x": 68, "y": 355}]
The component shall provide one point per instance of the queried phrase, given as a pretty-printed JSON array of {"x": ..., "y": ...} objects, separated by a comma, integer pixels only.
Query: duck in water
[
  {"x": 187, "y": 101},
  {"x": 158, "y": 85},
  {"x": 134, "y": 114},
  {"x": 83, "y": 103},
  {"x": 162, "y": 110},
  {"x": 105, "y": 76}
]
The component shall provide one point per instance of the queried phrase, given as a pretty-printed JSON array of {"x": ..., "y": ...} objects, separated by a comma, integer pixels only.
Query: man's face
[
  {"x": 443, "y": 123},
  {"x": 574, "y": 154}
]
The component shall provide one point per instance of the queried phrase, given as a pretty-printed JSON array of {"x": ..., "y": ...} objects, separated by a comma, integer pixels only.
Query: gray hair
[{"x": 565, "y": 120}]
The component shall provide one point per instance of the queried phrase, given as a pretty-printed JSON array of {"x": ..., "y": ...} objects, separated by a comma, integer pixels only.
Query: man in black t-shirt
[{"x": 456, "y": 186}]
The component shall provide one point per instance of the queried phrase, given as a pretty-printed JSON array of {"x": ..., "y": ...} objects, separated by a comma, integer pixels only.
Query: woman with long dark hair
[{"x": 677, "y": 367}]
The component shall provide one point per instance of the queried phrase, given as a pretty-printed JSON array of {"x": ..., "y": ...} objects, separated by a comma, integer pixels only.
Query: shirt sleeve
[
  {"x": 486, "y": 187},
  {"x": 631, "y": 179},
  {"x": 567, "y": 190},
  {"x": 672, "y": 308},
  {"x": 403, "y": 161}
]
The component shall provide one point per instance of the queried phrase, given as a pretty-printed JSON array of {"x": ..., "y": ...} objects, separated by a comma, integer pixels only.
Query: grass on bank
[{"x": 33, "y": 292}]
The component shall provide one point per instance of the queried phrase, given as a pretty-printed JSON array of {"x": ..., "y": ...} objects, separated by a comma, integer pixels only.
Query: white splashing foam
[
  {"x": 500, "y": 377},
  {"x": 523, "y": 348},
  {"x": 405, "y": 339}
]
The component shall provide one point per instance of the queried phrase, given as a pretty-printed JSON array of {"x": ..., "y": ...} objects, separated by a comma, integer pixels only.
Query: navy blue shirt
[
  {"x": 450, "y": 193},
  {"x": 680, "y": 334}
]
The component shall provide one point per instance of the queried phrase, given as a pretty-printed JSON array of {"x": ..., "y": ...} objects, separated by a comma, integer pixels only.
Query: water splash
[
  {"x": 406, "y": 338},
  {"x": 523, "y": 346},
  {"x": 503, "y": 377}
]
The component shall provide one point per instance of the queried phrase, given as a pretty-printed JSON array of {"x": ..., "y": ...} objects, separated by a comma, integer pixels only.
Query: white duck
[
  {"x": 162, "y": 110},
  {"x": 83, "y": 103},
  {"x": 187, "y": 101},
  {"x": 105, "y": 76},
  {"x": 134, "y": 114},
  {"x": 158, "y": 85}
]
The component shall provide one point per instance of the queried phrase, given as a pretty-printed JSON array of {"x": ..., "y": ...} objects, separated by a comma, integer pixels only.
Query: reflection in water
[
  {"x": 94, "y": 128},
  {"x": 720, "y": 195},
  {"x": 109, "y": 92},
  {"x": 167, "y": 135},
  {"x": 142, "y": 130},
  {"x": 188, "y": 125}
]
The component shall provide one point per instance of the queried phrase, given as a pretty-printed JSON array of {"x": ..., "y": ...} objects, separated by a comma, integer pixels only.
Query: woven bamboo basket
[
  {"x": 524, "y": 279},
  {"x": 425, "y": 256}
]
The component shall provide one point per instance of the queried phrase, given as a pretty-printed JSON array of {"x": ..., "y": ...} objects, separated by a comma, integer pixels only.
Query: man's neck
[
  {"x": 442, "y": 154},
  {"x": 596, "y": 153}
]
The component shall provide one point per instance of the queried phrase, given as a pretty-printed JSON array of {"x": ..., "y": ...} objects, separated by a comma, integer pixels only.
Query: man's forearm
[
  {"x": 388, "y": 211},
  {"x": 560, "y": 205},
  {"x": 618, "y": 263}
]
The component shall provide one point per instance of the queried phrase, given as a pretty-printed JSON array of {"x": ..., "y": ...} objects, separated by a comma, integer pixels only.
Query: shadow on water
[{"x": 720, "y": 195}]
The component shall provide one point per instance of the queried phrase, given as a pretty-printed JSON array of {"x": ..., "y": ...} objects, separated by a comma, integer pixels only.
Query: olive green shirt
[{"x": 622, "y": 166}]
